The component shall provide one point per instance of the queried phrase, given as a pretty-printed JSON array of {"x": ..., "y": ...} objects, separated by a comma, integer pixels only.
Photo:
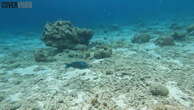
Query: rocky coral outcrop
[
  {"x": 63, "y": 35},
  {"x": 141, "y": 38}
]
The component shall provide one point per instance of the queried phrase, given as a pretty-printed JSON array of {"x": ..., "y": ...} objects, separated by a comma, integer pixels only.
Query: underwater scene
[{"x": 97, "y": 55}]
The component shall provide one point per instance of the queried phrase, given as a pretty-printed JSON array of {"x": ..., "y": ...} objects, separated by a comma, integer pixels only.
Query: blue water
[{"x": 91, "y": 12}]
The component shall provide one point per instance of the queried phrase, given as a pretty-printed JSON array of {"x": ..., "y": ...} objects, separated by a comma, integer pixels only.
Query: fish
[{"x": 78, "y": 65}]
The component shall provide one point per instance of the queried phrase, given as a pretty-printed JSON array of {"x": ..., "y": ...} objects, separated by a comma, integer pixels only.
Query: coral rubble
[{"x": 105, "y": 74}]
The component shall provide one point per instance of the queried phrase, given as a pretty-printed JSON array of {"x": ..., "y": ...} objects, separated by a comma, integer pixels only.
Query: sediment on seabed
[{"x": 130, "y": 68}]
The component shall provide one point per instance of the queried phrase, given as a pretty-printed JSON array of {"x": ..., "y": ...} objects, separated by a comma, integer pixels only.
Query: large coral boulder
[{"x": 63, "y": 35}]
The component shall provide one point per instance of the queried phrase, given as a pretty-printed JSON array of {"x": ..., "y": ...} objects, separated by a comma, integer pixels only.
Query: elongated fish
[{"x": 78, "y": 64}]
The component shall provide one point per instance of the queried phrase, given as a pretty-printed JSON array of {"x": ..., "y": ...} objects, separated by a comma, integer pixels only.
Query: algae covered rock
[
  {"x": 165, "y": 41},
  {"x": 141, "y": 38},
  {"x": 44, "y": 54},
  {"x": 159, "y": 90},
  {"x": 63, "y": 35},
  {"x": 102, "y": 53}
]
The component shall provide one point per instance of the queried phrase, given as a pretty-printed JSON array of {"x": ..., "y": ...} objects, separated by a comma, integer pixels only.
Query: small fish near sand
[{"x": 78, "y": 65}]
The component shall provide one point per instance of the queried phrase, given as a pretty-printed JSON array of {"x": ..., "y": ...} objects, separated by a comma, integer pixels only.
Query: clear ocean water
[
  {"x": 97, "y": 55},
  {"x": 91, "y": 12}
]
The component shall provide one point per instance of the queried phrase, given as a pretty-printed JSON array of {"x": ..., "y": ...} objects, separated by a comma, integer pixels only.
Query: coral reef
[
  {"x": 141, "y": 38},
  {"x": 165, "y": 41},
  {"x": 63, "y": 35},
  {"x": 158, "y": 89}
]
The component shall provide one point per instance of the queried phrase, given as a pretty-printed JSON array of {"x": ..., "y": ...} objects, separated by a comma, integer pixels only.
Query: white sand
[
  {"x": 30, "y": 70},
  {"x": 178, "y": 95}
]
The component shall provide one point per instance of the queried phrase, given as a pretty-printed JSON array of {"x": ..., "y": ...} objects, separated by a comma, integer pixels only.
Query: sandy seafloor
[{"x": 120, "y": 82}]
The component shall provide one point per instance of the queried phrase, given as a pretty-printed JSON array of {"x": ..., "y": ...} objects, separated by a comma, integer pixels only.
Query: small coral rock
[
  {"x": 63, "y": 35},
  {"x": 141, "y": 38},
  {"x": 103, "y": 53},
  {"x": 165, "y": 41},
  {"x": 159, "y": 90},
  {"x": 44, "y": 54}
]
